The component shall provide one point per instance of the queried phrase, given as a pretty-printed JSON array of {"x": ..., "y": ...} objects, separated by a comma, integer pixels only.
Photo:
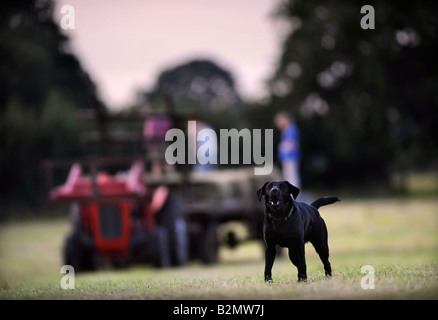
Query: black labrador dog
[{"x": 291, "y": 224}]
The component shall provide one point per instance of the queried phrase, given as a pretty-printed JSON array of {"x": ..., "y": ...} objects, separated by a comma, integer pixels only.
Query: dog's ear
[
  {"x": 261, "y": 191},
  {"x": 294, "y": 191}
]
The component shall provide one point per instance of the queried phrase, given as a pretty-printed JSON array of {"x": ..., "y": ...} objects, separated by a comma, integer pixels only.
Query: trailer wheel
[
  {"x": 209, "y": 244},
  {"x": 171, "y": 218}
]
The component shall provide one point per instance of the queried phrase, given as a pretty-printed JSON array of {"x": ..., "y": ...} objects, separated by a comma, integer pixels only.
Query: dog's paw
[
  {"x": 302, "y": 278},
  {"x": 268, "y": 280}
]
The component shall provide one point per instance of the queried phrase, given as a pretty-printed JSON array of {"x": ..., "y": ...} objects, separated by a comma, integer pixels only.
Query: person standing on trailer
[{"x": 289, "y": 152}]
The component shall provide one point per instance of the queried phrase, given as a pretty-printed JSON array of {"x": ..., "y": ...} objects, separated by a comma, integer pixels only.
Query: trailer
[{"x": 215, "y": 198}]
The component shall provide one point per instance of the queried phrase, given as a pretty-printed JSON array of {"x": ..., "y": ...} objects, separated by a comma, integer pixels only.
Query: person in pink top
[{"x": 154, "y": 132}]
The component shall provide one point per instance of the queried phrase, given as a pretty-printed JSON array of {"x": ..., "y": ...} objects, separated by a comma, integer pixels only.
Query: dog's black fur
[{"x": 291, "y": 224}]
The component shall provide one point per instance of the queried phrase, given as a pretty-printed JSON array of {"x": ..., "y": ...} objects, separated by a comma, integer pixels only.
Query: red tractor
[{"x": 118, "y": 219}]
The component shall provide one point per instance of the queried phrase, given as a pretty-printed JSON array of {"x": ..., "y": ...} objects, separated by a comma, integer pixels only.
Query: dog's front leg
[
  {"x": 298, "y": 258},
  {"x": 269, "y": 261},
  {"x": 302, "y": 267}
]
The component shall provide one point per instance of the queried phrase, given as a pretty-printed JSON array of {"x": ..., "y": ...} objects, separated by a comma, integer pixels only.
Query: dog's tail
[{"x": 324, "y": 201}]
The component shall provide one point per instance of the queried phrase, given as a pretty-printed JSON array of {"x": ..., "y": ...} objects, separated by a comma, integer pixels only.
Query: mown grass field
[{"x": 398, "y": 237}]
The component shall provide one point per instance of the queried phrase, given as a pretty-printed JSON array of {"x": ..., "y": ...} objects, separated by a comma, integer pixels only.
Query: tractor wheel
[
  {"x": 120, "y": 264},
  {"x": 162, "y": 254},
  {"x": 75, "y": 252},
  {"x": 171, "y": 218},
  {"x": 69, "y": 253},
  {"x": 77, "y": 255},
  {"x": 209, "y": 244}
]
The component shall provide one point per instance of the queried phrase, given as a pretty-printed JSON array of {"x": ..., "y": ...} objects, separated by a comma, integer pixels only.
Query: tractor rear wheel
[
  {"x": 77, "y": 255},
  {"x": 75, "y": 252},
  {"x": 161, "y": 253},
  {"x": 171, "y": 219},
  {"x": 209, "y": 244}
]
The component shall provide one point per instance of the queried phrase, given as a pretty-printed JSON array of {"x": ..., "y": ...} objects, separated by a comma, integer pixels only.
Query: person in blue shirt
[{"x": 289, "y": 148}]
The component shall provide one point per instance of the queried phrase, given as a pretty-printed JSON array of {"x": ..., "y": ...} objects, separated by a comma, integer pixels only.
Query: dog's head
[{"x": 277, "y": 197}]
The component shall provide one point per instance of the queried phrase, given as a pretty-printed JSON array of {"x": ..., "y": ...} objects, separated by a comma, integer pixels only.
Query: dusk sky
[{"x": 124, "y": 45}]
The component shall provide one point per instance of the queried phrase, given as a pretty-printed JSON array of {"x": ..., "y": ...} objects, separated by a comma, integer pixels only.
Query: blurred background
[{"x": 365, "y": 101}]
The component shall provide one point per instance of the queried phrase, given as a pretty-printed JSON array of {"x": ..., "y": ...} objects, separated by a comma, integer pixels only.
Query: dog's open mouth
[{"x": 274, "y": 200}]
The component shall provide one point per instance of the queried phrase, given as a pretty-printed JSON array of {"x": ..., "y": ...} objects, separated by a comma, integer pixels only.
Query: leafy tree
[
  {"x": 201, "y": 88},
  {"x": 42, "y": 86},
  {"x": 365, "y": 100}
]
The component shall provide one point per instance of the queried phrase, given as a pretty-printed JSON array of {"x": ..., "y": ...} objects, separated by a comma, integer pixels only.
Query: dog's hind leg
[
  {"x": 269, "y": 261},
  {"x": 321, "y": 247}
]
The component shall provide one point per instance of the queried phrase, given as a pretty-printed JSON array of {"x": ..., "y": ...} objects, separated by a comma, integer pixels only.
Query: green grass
[{"x": 399, "y": 238}]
